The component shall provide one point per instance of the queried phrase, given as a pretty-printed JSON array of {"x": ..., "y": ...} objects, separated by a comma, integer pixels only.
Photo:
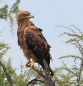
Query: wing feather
[{"x": 37, "y": 43}]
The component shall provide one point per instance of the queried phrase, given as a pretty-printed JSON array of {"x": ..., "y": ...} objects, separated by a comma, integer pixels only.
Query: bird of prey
[{"x": 31, "y": 40}]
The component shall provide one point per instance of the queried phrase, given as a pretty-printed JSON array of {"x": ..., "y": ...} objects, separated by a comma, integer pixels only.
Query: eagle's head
[{"x": 23, "y": 15}]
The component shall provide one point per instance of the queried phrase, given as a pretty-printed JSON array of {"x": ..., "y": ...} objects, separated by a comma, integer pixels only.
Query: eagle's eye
[{"x": 26, "y": 14}]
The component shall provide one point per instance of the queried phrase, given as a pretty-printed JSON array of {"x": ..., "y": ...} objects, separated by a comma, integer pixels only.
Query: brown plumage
[{"x": 32, "y": 41}]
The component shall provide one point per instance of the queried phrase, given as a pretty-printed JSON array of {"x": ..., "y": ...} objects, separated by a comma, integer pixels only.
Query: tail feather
[
  {"x": 52, "y": 74},
  {"x": 42, "y": 64}
]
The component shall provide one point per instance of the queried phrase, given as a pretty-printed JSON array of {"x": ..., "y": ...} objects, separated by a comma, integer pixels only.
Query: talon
[
  {"x": 26, "y": 63},
  {"x": 31, "y": 64}
]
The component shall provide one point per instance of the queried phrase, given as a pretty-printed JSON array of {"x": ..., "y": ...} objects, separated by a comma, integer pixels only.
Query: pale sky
[{"x": 47, "y": 14}]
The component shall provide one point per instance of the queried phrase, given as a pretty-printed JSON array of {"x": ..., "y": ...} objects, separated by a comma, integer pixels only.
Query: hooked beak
[{"x": 30, "y": 16}]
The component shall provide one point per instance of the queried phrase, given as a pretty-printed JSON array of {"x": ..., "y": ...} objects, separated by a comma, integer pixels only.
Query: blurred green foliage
[
  {"x": 7, "y": 12},
  {"x": 73, "y": 75}
]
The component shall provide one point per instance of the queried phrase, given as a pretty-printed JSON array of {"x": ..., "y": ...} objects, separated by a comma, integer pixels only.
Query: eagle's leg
[
  {"x": 28, "y": 61},
  {"x": 32, "y": 62}
]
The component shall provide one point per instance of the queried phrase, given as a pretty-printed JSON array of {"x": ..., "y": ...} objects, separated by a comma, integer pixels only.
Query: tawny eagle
[{"x": 32, "y": 41}]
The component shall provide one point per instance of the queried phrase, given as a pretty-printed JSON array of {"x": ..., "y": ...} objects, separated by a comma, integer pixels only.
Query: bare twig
[
  {"x": 7, "y": 74},
  {"x": 34, "y": 81}
]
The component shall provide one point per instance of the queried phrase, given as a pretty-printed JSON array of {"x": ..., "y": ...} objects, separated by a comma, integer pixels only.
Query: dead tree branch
[
  {"x": 34, "y": 81},
  {"x": 48, "y": 78},
  {"x": 44, "y": 74},
  {"x": 7, "y": 74},
  {"x": 40, "y": 72}
]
